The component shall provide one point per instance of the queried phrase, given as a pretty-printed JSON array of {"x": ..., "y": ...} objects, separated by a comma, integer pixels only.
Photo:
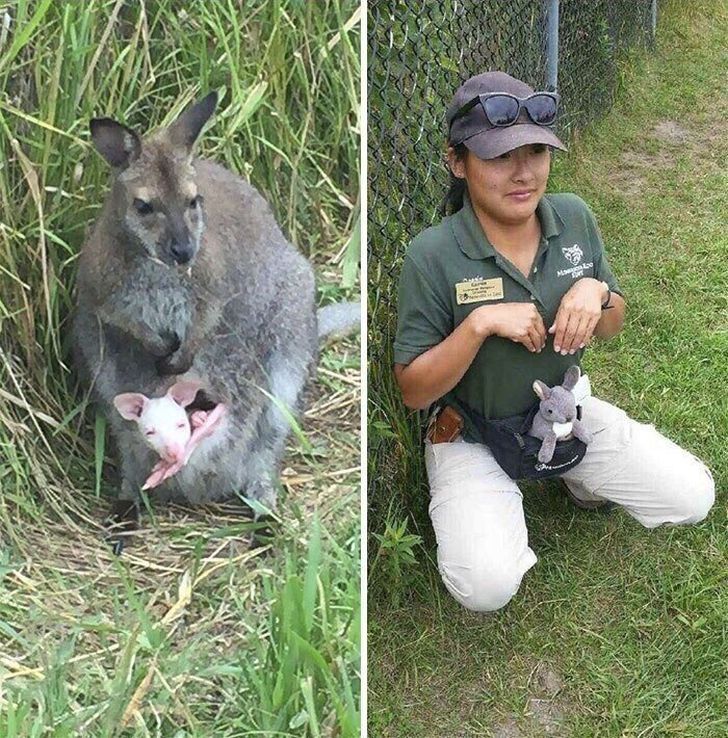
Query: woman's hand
[
  {"x": 579, "y": 312},
  {"x": 436, "y": 371},
  {"x": 517, "y": 321}
]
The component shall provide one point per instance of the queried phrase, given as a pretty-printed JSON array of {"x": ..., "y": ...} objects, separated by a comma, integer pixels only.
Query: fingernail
[
  {"x": 573, "y": 351},
  {"x": 563, "y": 353},
  {"x": 557, "y": 348},
  {"x": 581, "y": 345}
]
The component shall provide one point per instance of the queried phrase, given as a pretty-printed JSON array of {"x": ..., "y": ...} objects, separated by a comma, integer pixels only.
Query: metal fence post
[
  {"x": 552, "y": 44},
  {"x": 653, "y": 22}
]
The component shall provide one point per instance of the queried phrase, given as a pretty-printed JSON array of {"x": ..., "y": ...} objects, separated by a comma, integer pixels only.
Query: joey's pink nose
[{"x": 174, "y": 453}]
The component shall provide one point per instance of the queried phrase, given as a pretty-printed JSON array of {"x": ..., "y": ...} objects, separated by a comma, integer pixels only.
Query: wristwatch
[{"x": 605, "y": 304}]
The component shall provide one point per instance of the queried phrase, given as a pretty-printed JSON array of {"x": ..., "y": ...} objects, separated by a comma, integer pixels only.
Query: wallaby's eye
[
  {"x": 150, "y": 432},
  {"x": 195, "y": 201},
  {"x": 181, "y": 425},
  {"x": 142, "y": 207}
]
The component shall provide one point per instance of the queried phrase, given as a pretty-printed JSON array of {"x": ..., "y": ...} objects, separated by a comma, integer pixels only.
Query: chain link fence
[{"x": 416, "y": 60}]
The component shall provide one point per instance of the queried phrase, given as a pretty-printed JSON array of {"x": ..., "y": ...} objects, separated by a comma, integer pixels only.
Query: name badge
[{"x": 484, "y": 289}]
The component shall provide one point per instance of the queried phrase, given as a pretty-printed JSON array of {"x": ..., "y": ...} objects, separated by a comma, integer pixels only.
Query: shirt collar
[
  {"x": 551, "y": 222},
  {"x": 474, "y": 243}
]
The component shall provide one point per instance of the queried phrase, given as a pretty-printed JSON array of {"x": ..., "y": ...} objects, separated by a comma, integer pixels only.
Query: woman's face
[{"x": 509, "y": 187}]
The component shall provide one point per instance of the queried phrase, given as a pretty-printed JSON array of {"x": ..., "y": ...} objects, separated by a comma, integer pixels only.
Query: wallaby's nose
[{"x": 182, "y": 252}]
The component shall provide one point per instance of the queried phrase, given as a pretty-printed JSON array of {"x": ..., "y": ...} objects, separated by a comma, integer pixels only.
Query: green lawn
[
  {"x": 617, "y": 631},
  {"x": 189, "y": 633}
]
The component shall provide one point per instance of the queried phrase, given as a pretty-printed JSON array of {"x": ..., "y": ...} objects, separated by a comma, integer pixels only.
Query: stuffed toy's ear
[
  {"x": 571, "y": 377},
  {"x": 541, "y": 389},
  {"x": 130, "y": 405},
  {"x": 183, "y": 393}
]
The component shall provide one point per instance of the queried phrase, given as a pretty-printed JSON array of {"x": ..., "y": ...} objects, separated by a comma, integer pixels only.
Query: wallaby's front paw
[
  {"x": 122, "y": 520},
  {"x": 177, "y": 363}
]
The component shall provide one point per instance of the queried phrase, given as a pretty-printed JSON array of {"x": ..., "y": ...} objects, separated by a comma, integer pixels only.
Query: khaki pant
[{"x": 477, "y": 510}]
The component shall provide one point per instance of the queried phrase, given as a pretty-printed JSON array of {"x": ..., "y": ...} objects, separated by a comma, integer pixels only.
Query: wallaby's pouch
[{"x": 517, "y": 452}]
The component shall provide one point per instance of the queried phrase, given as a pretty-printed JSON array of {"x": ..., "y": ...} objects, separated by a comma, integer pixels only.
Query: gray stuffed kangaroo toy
[
  {"x": 556, "y": 418},
  {"x": 186, "y": 276}
]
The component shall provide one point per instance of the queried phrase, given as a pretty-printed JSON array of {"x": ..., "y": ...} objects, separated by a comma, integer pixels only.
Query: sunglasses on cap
[{"x": 503, "y": 109}]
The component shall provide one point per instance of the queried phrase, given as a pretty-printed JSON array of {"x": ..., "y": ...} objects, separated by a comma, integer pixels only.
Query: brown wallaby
[{"x": 187, "y": 276}]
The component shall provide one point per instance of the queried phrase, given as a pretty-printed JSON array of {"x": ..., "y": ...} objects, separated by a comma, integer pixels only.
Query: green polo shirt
[{"x": 451, "y": 269}]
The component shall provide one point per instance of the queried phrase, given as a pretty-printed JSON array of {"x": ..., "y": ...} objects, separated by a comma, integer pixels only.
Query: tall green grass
[{"x": 188, "y": 634}]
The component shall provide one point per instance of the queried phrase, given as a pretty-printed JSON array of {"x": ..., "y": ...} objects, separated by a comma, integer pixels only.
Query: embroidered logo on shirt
[
  {"x": 575, "y": 272},
  {"x": 574, "y": 253},
  {"x": 479, "y": 290}
]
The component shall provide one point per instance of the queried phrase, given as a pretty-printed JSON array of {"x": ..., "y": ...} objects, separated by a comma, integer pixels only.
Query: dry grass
[{"x": 187, "y": 577}]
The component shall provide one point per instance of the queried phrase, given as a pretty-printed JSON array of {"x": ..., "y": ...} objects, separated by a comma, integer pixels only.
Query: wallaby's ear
[
  {"x": 130, "y": 405},
  {"x": 118, "y": 144},
  {"x": 571, "y": 377},
  {"x": 185, "y": 130},
  {"x": 183, "y": 393},
  {"x": 541, "y": 389}
]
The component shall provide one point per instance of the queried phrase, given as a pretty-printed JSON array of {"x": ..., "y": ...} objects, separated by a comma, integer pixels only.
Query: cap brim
[{"x": 496, "y": 141}]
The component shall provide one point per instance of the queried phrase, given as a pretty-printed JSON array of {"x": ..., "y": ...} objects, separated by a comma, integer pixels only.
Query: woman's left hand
[{"x": 579, "y": 312}]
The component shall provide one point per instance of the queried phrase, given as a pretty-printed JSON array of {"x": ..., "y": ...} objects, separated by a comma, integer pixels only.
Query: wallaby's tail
[{"x": 338, "y": 319}]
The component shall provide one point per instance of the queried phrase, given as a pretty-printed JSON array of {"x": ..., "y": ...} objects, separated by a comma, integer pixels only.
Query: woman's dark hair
[{"x": 453, "y": 200}]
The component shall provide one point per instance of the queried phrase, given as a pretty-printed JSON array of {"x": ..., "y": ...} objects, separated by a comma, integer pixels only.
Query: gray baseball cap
[{"x": 475, "y": 130}]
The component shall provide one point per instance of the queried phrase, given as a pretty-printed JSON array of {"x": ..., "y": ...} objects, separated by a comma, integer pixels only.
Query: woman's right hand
[
  {"x": 516, "y": 321},
  {"x": 436, "y": 371}
]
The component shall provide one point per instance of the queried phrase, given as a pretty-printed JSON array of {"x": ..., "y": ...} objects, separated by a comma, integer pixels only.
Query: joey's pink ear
[
  {"x": 541, "y": 389},
  {"x": 130, "y": 405},
  {"x": 183, "y": 393}
]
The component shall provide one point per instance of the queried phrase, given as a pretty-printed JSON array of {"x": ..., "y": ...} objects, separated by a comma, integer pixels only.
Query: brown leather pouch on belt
[{"x": 447, "y": 426}]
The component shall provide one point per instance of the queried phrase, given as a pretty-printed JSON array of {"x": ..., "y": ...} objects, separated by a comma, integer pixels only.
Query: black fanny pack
[{"x": 517, "y": 452}]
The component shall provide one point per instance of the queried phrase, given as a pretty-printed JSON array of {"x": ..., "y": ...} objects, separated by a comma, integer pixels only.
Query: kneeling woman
[{"x": 509, "y": 288}]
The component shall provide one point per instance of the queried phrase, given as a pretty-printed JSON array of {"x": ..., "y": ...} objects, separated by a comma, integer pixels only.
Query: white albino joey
[{"x": 163, "y": 421}]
